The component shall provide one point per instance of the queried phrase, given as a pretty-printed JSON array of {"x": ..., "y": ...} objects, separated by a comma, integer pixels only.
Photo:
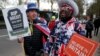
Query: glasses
[{"x": 66, "y": 8}]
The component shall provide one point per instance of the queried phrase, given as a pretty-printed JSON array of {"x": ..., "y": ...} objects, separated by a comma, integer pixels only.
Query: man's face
[
  {"x": 66, "y": 11},
  {"x": 32, "y": 14}
]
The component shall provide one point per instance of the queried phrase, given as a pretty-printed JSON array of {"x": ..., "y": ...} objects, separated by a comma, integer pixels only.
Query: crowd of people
[
  {"x": 61, "y": 29},
  {"x": 91, "y": 26}
]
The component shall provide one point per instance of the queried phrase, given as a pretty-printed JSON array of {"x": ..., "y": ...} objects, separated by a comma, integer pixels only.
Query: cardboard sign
[
  {"x": 80, "y": 46},
  {"x": 16, "y": 22}
]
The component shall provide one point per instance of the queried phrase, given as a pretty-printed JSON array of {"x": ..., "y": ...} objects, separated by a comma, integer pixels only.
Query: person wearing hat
[
  {"x": 33, "y": 44},
  {"x": 64, "y": 27}
]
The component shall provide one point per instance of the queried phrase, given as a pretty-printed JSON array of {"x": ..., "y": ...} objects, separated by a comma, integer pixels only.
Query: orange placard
[{"x": 80, "y": 46}]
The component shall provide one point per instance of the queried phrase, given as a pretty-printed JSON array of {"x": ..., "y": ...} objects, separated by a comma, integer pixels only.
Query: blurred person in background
[
  {"x": 96, "y": 26},
  {"x": 89, "y": 27},
  {"x": 52, "y": 22}
]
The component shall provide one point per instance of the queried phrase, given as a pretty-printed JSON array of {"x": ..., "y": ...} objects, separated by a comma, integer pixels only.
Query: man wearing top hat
[
  {"x": 64, "y": 27},
  {"x": 33, "y": 44}
]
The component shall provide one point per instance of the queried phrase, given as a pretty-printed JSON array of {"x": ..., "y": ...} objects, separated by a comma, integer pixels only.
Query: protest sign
[
  {"x": 80, "y": 46},
  {"x": 16, "y": 22}
]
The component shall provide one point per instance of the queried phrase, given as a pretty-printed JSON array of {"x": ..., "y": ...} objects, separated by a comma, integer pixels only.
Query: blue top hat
[{"x": 32, "y": 6}]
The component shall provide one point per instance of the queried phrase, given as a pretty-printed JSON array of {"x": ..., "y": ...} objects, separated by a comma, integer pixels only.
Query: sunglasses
[{"x": 66, "y": 7}]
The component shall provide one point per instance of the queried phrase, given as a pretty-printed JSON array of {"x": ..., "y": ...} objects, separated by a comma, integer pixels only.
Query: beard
[{"x": 66, "y": 17}]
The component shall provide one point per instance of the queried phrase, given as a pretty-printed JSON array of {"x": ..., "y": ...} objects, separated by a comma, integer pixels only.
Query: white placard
[{"x": 16, "y": 22}]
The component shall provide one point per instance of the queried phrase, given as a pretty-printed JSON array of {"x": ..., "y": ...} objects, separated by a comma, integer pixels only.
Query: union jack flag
[{"x": 44, "y": 28}]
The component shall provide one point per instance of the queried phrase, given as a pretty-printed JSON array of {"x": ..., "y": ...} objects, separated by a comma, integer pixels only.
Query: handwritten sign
[
  {"x": 16, "y": 22},
  {"x": 80, "y": 46},
  {"x": 15, "y": 18}
]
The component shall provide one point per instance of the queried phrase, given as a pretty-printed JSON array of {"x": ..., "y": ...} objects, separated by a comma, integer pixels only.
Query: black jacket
[{"x": 33, "y": 43}]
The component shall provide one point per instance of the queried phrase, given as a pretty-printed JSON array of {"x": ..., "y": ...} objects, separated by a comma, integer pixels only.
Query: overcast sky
[
  {"x": 47, "y": 6},
  {"x": 87, "y": 4},
  {"x": 89, "y": 1}
]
